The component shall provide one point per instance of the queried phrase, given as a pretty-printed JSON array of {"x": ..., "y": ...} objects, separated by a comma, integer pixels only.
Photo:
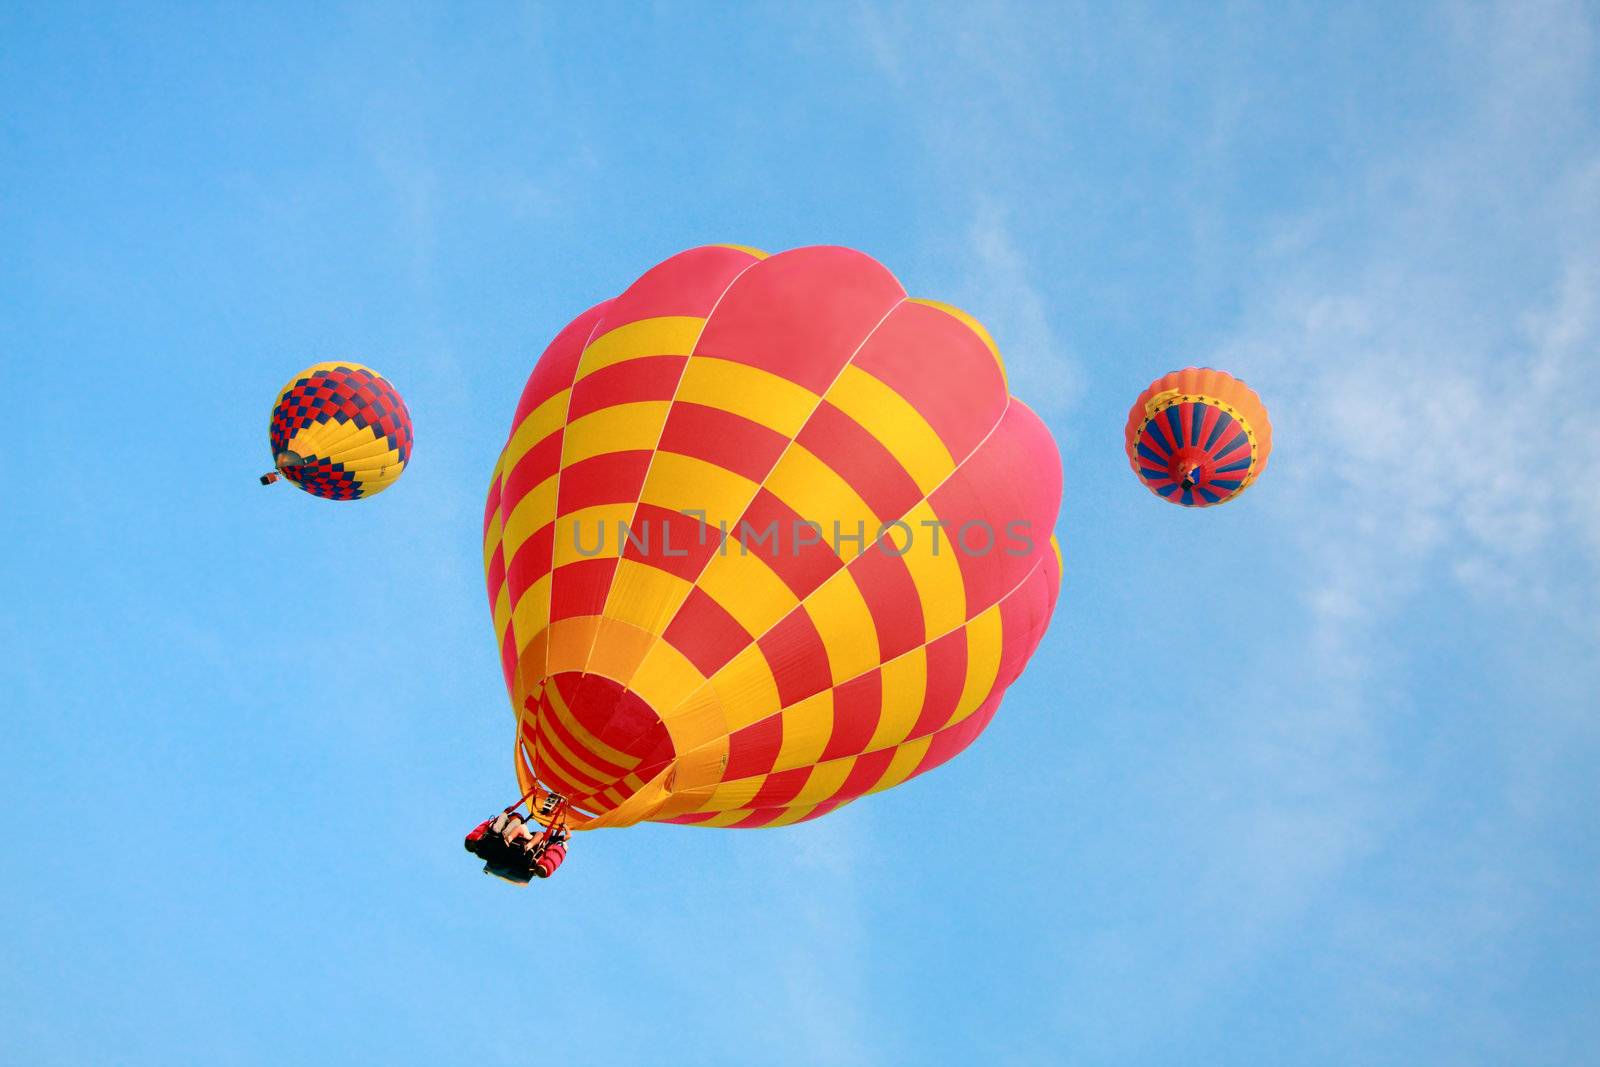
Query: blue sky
[{"x": 1309, "y": 778}]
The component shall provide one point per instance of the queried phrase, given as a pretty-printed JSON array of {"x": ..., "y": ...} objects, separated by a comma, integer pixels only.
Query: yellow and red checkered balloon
[
  {"x": 340, "y": 431},
  {"x": 768, "y": 535}
]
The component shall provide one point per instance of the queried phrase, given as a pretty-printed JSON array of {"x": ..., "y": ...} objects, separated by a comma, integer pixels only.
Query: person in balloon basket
[{"x": 512, "y": 852}]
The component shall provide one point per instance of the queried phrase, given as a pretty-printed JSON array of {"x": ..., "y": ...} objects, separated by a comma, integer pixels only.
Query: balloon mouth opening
[
  {"x": 286, "y": 461},
  {"x": 624, "y": 741},
  {"x": 1191, "y": 475},
  {"x": 1190, "y": 468}
]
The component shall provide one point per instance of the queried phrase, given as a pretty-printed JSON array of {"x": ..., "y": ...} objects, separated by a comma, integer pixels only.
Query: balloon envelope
[
  {"x": 340, "y": 431},
  {"x": 1198, "y": 437},
  {"x": 767, "y": 535}
]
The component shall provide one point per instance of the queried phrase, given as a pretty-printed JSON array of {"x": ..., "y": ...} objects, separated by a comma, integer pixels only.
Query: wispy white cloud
[
  {"x": 972, "y": 81},
  {"x": 1000, "y": 280},
  {"x": 1433, "y": 416},
  {"x": 1427, "y": 341}
]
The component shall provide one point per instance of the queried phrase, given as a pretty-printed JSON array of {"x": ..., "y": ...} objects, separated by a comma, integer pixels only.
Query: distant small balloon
[
  {"x": 339, "y": 431},
  {"x": 1198, "y": 437}
]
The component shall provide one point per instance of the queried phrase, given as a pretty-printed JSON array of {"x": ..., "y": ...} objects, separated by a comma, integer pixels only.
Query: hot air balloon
[
  {"x": 339, "y": 431},
  {"x": 1198, "y": 437},
  {"x": 768, "y": 535}
]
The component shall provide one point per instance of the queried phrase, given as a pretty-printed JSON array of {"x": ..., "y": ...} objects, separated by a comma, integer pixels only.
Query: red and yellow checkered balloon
[
  {"x": 735, "y": 544},
  {"x": 340, "y": 431}
]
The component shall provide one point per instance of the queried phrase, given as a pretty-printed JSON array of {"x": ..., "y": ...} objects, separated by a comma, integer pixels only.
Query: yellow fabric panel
[
  {"x": 526, "y": 517},
  {"x": 807, "y": 725},
  {"x": 726, "y": 818},
  {"x": 681, "y": 803},
  {"x": 697, "y": 721},
  {"x": 570, "y": 641},
  {"x": 843, "y": 620},
  {"x": 665, "y": 679},
  {"x": 825, "y": 781},
  {"x": 905, "y": 686},
  {"x": 530, "y": 664},
  {"x": 905, "y": 760},
  {"x": 937, "y": 576},
  {"x": 502, "y": 615},
  {"x": 983, "y": 662},
  {"x": 619, "y": 428},
  {"x": 729, "y": 796},
  {"x": 666, "y": 335},
  {"x": 524, "y": 765},
  {"x": 494, "y": 528},
  {"x": 890, "y": 418},
  {"x": 744, "y": 248},
  {"x": 975, "y": 326},
  {"x": 758, "y": 395},
  {"x": 538, "y": 424},
  {"x": 793, "y": 815},
  {"x": 555, "y": 756},
  {"x": 641, "y": 805},
  {"x": 679, "y": 483},
  {"x": 691, "y": 779},
  {"x": 748, "y": 588},
  {"x": 700, "y": 768},
  {"x": 746, "y": 688},
  {"x": 643, "y": 596},
  {"x": 380, "y": 480},
  {"x": 324, "y": 438},
  {"x": 1061, "y": 566},
  {"x": 598, "y": 526},
  {"x": 818, "y": 493},
  {"x": 551, "y": 742},
  {"x": 366, "y": 449},
  {"x": 619, "y": 648},
  {"x": 530, "y": 614}
]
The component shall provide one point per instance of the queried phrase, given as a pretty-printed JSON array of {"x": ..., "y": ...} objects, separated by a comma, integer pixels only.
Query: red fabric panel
[
  {"x": 988, "y": 492},
  {"x": 802, "y": 564},
  {"x": 609, "y": 478},
  {"x": 801, "y": 314},
  {"x": 754, "y": 749},
  {"x": 670, "y": 530},
  {"x": 537, "y": 464},
  {"x": 947, "y": 676},
  {"x": 797, "y": 656},
  {"x": 866, "y": 773},
  {"x": 862, "y": 461},
  {"x": 730, "y": 441},
  {"x": 580, "y": 588},
  {"x": 531, "y": 562},
  {"x": 1024, "y": 613},
  {"x": 689, "y": 283},
  {"x": 949, "y": 742},
  {"x": 559, "y": 363},
  {"x": 780, "y": 788},
  {"x": 857, "y": 706},
  {"x": 705, "y": 633},
  {"x": 491, "y": 507},
  {"x": 631, "y": 381},
  {"x": 960, "y": 391}
]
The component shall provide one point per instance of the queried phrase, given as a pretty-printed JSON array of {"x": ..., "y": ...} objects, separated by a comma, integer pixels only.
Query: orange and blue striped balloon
[
  {"x": 735, "y": 542},
  {"x": 1198, "y": 437},
  {"x": 339, "y": 431}
]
